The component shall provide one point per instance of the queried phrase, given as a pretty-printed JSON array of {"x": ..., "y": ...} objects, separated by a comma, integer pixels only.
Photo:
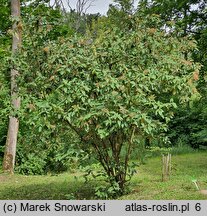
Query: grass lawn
[{"x": 145, "y": 185}]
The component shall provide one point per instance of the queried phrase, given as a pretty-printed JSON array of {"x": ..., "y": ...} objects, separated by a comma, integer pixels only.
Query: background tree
[
  {"x": 77, "y": 15},
  {"x": 10, "y": 149}
]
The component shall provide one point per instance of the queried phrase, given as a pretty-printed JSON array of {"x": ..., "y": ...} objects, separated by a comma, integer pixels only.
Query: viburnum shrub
[{"x": 111, "y": 89}]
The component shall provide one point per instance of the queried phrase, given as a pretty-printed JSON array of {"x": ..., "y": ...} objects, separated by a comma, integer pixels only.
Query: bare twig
[
  {"x": 90, "y": 5},
  {"x": 68, "y": 4},
  {"x": 83, "y": 5}
]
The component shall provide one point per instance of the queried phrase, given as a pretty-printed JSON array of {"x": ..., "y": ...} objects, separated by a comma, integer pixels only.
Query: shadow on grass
[{"x": 58, "y": 190}]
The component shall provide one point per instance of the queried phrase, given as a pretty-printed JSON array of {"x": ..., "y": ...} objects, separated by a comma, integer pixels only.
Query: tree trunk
[{"x": 10, "y": 149}]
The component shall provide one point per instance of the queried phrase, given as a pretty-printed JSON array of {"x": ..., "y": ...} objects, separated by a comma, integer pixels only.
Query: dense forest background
[{"x": 103, "y": 88}]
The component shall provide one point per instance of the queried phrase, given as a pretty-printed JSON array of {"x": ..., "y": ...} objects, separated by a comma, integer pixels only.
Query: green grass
[
  {"x": 148, "y": 185},
  {"x": 145, "y": 185},
  {"x": 64, "y": 186}
]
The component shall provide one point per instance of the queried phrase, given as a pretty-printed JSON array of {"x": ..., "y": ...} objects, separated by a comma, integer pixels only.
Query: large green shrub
[{"x": 110, "y": 90}]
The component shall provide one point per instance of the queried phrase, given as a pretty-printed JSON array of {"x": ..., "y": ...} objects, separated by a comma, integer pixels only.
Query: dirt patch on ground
[
  {"x": 203, "y": 192},
  {"x": 3, "y": 178},
  {"x": 6, "y": 177}
]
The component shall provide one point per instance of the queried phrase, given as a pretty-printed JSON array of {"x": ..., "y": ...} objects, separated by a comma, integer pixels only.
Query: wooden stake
[{"x": 166, "y": 167}]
